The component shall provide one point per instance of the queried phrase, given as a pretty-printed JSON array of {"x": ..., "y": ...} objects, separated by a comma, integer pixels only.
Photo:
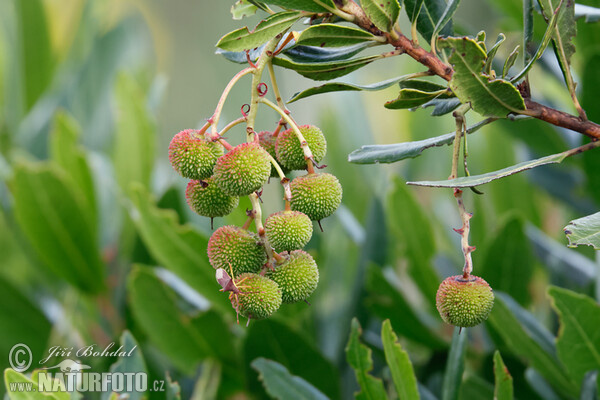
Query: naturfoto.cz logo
[{"x": 70, "y": 375}]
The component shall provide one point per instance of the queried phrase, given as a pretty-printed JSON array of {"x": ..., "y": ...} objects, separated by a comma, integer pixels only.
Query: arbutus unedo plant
[
  {"x": 466, "y": 81},
  {"x": 267, "y": 267}
]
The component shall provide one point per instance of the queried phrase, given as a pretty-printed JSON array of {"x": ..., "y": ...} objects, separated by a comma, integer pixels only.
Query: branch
[{"x": 445, "y": 71}]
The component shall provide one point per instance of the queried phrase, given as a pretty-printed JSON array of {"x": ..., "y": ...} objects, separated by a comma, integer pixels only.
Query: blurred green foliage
[{"x": 97, "y": 244}]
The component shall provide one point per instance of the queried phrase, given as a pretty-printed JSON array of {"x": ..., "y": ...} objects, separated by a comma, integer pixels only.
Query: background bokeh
[{"x": 132, "y": 73}]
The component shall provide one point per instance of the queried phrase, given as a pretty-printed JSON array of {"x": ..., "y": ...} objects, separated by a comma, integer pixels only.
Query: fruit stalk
[
  {"x": 305, "y": 149},
  {"x": 263, "y": 60},
  {"x": 464, "y": 215},
  {"x": 254, "y": 200},
  {"x": 214, "y": 120}
]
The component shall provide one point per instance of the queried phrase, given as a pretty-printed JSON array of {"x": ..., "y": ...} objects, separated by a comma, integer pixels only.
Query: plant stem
[
  {"x": 257, "y": 210},
  {"x": 445, "y": 71},
  {"x": 276, "y": 92},
  {"x": 308, "y": 156},
  {"x": 464, "y": 215},
  {"x": 262, "y": 62},
  {"x": 214, "y": 120}
]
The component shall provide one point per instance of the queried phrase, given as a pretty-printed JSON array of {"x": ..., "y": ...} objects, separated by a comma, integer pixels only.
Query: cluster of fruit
[{"x": 268, "y": 267}]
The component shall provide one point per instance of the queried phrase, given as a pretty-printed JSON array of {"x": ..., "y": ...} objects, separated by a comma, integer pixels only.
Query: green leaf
[
  {"x": 521, "y": 344},
  {"x": 412, "y": 228},
  {"x": 178, "y": 248},
  {"x": 477, "y": 180},
  {"x": 584, "y": 231},
  {"x": 508, "y": 261},
  {"x": 564, "y": 32},
  {"x": 510, "y": 61},
  {"x": 359, "y": 357},
  {"x": 446, "y": 17},
  {"x": 25, "y": 388},
  {"x": 343, "y": 87},
  {"x": 173, "y": 389},
  {"x": 331, "y": 35},
  {"x": 135, "y": 135},
  {"x": 280, "y": 384},
  {"x": 24, "y": 322},
  {"x": 319, "y": 6},
  {"x": 430, "y": 13},
  {"x": 455, "y": 366},
  {"x": 504, "y": 381},
  {"x": 492, "y": 53},
  {"x": 383, "y": 14},
  {"x": 243, "y": 8},
  {"x": 389, "y": 153},
  {"x": 35, "y": 56},
  {"x": 307, "y": 54},
  {"x": 274, "y": 340},
  {"x": 70, "y": 156},
  {"x": 397, "y": 359},
  {"x": 578, "y": 341},
  {"x": 54, "y": 216},
  {"x": 267, "y": 29},
  {"x": 442, "y": 106},
  {"x": 386, "y": 301},
  {"x": 207, "y": 385},
  {"x": 186, "y": 340},
  {"x": 589, "y": 387},
  {"x": 133, "y": 363},
  {"x": 487, "y": 97},
  {"x": 327, "y": 70},
  {"x": 527, "y": 32},
  {"x": 410, "y": 98}
]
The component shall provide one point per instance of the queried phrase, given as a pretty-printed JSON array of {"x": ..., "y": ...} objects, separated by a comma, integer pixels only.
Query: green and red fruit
[
  {"x": 297, "y": 277},
  {"x": 267, "y": 141},
  {"x": 316, "y": 195},
  {"x": 288, "y": 230},
  {"x": 289, "y": 151},
  {"x": 192, "y": 155},
  {"x": 464, "y": 302},
  {"x": 235, "y": 246},
  {"x": 243, "y": 170},
  {"x": 208, "y": 200},
  {"x": 258, "y": 297}
]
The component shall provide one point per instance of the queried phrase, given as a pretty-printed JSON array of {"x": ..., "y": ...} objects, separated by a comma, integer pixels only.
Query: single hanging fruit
[
  {"x": 192, "y": 155},
  {"x": 464, "y": 302},
  {"x": 243, "y": 170}
]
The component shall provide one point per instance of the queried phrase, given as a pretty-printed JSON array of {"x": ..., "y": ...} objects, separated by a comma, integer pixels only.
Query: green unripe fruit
[
  {"x": 297, "y": 277},
  {"x": 243, "y": 170},
  {"x": 464, "y": 302},
  {"x": 192, "y": 155},
  {"x": 258, "y": 297},
  {"x": 232, "y": 245},
  {"x": 208, "y": 200},
  {"x": 288, "y": 230},
  {"x": 289, "y": 151},
  {"x": 316, "y": 195},
  {"x": 267, "y": 141}
]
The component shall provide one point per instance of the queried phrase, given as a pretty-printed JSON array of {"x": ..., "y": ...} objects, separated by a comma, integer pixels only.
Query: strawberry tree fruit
[
  {"x": 236, "y": 247},
  {"x": 464, "y": 302},
  {"x": 192, "y": 155}
]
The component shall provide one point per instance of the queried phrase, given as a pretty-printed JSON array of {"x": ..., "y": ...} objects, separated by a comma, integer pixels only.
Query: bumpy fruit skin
[
  {"x": 316, "y": 195},
  {"x": 259, "y": 297},
  {"x": 192, "y": 155},
  {"x": 243, "y": 170},
  {"x": 297, "y": 277},
  {"x": 267, "y": 141},
  {"x": 288, "y": 149},
  {"x": 236, "y": 246},
  {"x": 288, "y": 230},
  {"x": 464, "y": 303},
  {"x": 208, "y": 200}
]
